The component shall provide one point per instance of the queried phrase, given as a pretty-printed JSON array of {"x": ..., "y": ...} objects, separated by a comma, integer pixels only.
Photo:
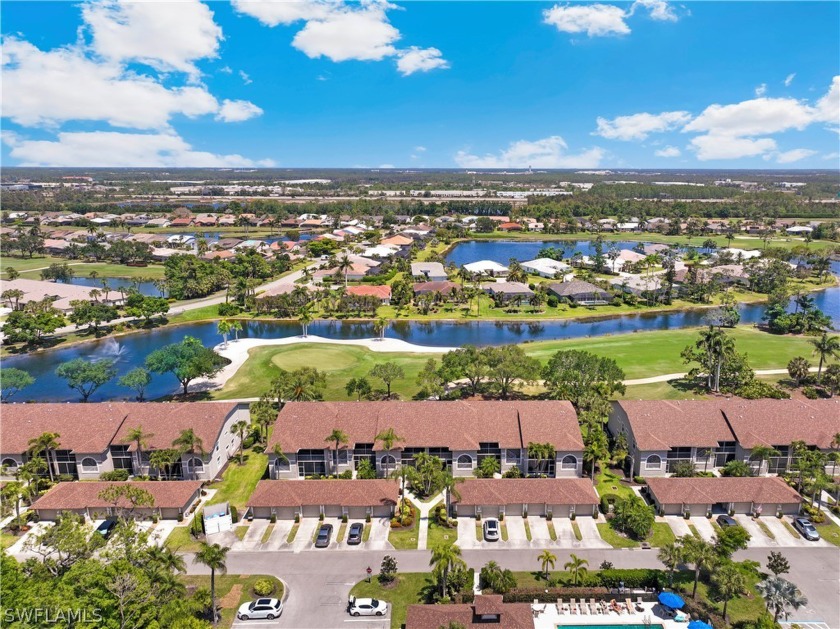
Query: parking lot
[
  {"x": 517, "y": 536},
  {"x": 303, "y": 541},
  {"x": 766, "y": 532}
]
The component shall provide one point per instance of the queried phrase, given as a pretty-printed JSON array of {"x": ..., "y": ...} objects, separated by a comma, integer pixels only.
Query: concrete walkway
[
  {"x": 677, "y": 376},
  {"x": 423, "y": 510}
]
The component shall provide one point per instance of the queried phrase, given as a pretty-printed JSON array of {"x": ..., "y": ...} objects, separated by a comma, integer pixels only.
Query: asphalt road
[{"x": 318, "y": 586}]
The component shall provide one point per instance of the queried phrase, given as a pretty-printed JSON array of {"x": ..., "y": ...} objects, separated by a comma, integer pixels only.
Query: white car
[
  {"x": 366, "y": 607},
  {"x": 262, "y": 608}
]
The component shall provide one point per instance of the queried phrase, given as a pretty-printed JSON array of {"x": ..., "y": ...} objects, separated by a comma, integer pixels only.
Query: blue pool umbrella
[
  {"x": 699, "y": 624},
  {"x": 669, "y": 599}
]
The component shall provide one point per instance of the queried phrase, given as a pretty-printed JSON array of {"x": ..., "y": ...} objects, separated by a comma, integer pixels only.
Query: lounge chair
[
  {"x": 615, "y": 607},
  {"x": 594, "y": 607},
  {"x": 573, "y": 606},
  {"x": 639, "y": 606},
  {"x": 681, "y": 617},
  {"x": 629, "y": 605},
  {"x": 559, "y": 605}
]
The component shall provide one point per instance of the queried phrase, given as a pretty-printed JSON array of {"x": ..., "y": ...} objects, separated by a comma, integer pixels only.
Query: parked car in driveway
[
  {"x": 260, "y": 609},
  {"x": 324, "y": 535},
  {"x": 491, "y": 530},
  {"x": 725, "y": 521},
  {"x": 106, "y": 528},
  {"x": 354, "y": 534},
  {"x": 366, "y": 607},
  {"x": 807, "y": 529}
]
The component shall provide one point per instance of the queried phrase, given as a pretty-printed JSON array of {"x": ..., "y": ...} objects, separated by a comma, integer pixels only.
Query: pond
[
  {"x": 130, "y": 351},
  {"x": 115, "y": 283}
]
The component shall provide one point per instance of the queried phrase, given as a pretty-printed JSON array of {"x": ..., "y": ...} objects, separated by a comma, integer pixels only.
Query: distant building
[
  {"x": 429, "y": 271},
  {"x": 582, "y": 293},
  {"x": 487, "y": 267},
  {"x": 545, "y": 267}
]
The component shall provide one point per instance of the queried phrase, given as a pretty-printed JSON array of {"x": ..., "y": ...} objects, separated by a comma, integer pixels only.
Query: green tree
[
  {"x": 140, "y": 439},
  {"x": 426, "y": 476},
  {"x": 13, "y": 381},
  {"x": 736, "y": 467},
  {"x": 634, "y": 517},
  {"x": 240, "y": 428},
  {"x": 671, "y": 555},
  {"x": 137, "y": 379},
  {"x": 729, "y": 583},
  {"x": 799, "y": 368},
  {"x": 574, "y": 375},
  {"x": 445, "y": 559},
  {"x": 145, "y": 306},
  {"x": 45, "y": 444},
  {"x": 777, "y": 563},
  {"x": 712, "y": 349},
  {"x": 358, "y": 386},
  {"x": 388, "y": 438},
  {"x": 492, "y": 577},
  {"x": 467, "y": 363},
  {"x": 263, "y": 414},
  {"x": 831, "y": 379},
  {"x": 86, "y": 376},
  {"x": 509, "y": 367},
  {"x": 730, "y": 539},
  {"x": 429, "y": 379},
  {"x": 187, "y": 442},
  {"x": 826, "y": 347},
  {"x": 163, "y": 460},
  {"x": 700, "y": 553},
  {"x": 577, "y": 566},
  {"x": 761, "y": 454},
  {"x": 186, "y": 360},
  {"x": 224, "y": 328},
  {"x": 387, "y": 372},
  {"x": 92, "y": 314},
  {"x": 595, "y": 448},
  {"x": 779, "y": 594},
  {"x": 214, "y": 556},
  {"x": 337, "y": 437},
  {"x": 304, "y": 384},
  {"x": 547, "y": 561}
]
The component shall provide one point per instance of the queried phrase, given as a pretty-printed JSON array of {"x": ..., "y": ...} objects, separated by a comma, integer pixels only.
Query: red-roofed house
[
  {"x": 382, "y": 293},
  {"x": 333, "y": 498},
  {"x": 492, "y": 497},
  {"x": 703, "y": 496}
]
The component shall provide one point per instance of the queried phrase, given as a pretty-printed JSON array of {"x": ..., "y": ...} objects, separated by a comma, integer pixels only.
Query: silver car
[
  {"x": 491, "y": 530},
  {"x": 808, "y": 530},
  {"x": 262, "y": 608}
]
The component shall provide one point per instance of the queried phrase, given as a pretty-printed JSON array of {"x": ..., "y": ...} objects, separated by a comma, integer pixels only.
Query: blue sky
[{"x": 648, "y": 84}]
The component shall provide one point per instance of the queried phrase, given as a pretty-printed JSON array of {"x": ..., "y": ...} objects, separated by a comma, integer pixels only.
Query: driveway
[
  {"x": 758, "y": 538},
  {"x": 516, "y": 532},
  {"x": 565, "y": 534},
  {"x": 679, "y": 525},
  {"x": 540, "y": 537},
  {"x": 785, "y": 538},
  {"x": 305, "y": 532},
  {"x": 590, "y": 537},
  {"x": 253, "y": 538},
  {"x": 379, "y": 529},
  {"x": 704, "y": 527},
  {"x": 277, "y": 539},
  {"x": 466, "y": 533}
]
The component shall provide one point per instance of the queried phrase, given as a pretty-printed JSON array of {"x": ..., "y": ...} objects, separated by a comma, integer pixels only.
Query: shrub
[
  {"x": 684, "y": 469},
  {"x": 234, "y": 514},
  {"x": 639, "y": 480},
  {"x": 297, "y": 518},
  {"x": 549, "y": 516},
  {"x": 811, "y": 393},
  {"x": 552, "y": 301},
  {"x": 365, "y": 469},
  {"x": 395, "y": 523},
  {"x": 247, "y": 442},
  {"x": 513, "y": 472},
  {"x": 388, "y": 569},
  {"x": 735, "y": 468},
  {"x": 607, "y": 500},
  {"x": 273, "y": 518},
  {"x": 180, "y": 517},
  {"x": 228, "y": 310},
  {"x": 346, "y": 475},
  {"x": 344, "y": 518},
  {"x": 756, "y": 389},
  {"x": 634, "y": 517},
  {"x": 264, "y": 587},
  {"x": 197, "y": 525},
  {"x": 321, "y": 517},
  {"x": 116, "y": 475}
]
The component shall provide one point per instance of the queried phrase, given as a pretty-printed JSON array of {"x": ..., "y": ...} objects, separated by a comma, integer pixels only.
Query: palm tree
[
  {"x": 344, "y": 265},
  {"x": 213, "y": 556},
  {"x": 595, "y": 451},
  {"x": 305, "y": 318},
  {"x": 761, "y": 454},
  {"x": 162, "y": 461},
  {"x": 240, "y": 428},
  {"x": 798, "y": 369},
  {"x": 46, "y": 443},
  {"x": 388, "y": 438},
  {"x": 826, "y": 347},
  {"x": 577, "y": 566},
  {"x": 445, "y": 558},
  {"x": 717, "y": 346},
  {"x": 671, "y": 555},
  {"x": 189, "y": 442},
  {"x": 224, "y": 329},
  {"x": 236, "y": 327},
  {"x": 730, "y": 583},
  {"x": 700, "y": 553},
  {"x": 338, "y": 437},
  {"x": 166, "y": 558},
  {"x": 141, "y": 440},
  {"x": 379, "y": 327},
  {"x": 449, "y": 483},
  {"x": 547, "y": 560},
  {"x": 779, "y": 594},
  {"x": 835, "y": 444}
]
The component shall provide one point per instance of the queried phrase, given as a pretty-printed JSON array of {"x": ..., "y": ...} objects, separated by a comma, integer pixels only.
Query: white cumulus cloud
[
  {"x": 593, "y": 19},
  {"x": 639, "y": 126},
  {"x": 761, "y": 90},
  {"x": 794, "y": 155},
  {"x": 668, "y": 151},
  {"x": 658, "y": 10},
  {"x": 114, "y": 149},
  {"x": 550, "y": 152},
  {"x": 730, "y": 147},
  {"x": 237, "y": 111},
  {"x": 789, "y": 79},
  {"x": 417, "y": 59}
]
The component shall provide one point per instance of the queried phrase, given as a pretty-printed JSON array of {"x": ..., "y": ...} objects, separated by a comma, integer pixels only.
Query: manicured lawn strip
[
  {"x": 225, "y": 596},
  {"x": 342, "y": 530},
  {"x": 440, "y": 535},
  {"x": 576, "y": 530},
  {"x": 104, "y": 270},
  {"x": 551, "y": 532},
  {"x": 197, "y": 314},
  {"x": 267, "y": 533},
  {"x": 23, "y": 265},
  {"x": 640, "y": 355},
  {"x": 180, "y": 539},
  {"x": 764, "y": 528},
  {"x": 405, "y": 538},
  {"x": 608, "y": 482},
  {"x": 292, "y": 533},
  {"x": 503, "y": 526},
  {"x": 829, "y": 531},
  {"x": 661, "y": 534},
  {"x": 740, "y": 609},
  {"x": 790, "y": 529},
  {"x": 366, "y": 532},
  {"x": 613, "y": 538},
  {"x": 716, "y": 527},
  {"x": 694, "y": 530},
  {"x": 406, "y": 591},
  {"x": 527, "y": 529},
  {"x": 239, "y": 481},
  {"x": 240, "y": 532}
]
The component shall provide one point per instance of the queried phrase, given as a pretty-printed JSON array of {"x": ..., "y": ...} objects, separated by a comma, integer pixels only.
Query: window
[
  {"x": 465, "y": 462},
  {"x": 486, "y": 450},
  {"x": 122, "y": 458},
  {"x": 512, "y": 456},
  {"x": 569, "y": 462},
  {"x": 342, "y": 457},
  {"x": 89, "y": 464},
  {"x": 65, "y": 462},
  {"x": 388, "y": 462},
  {"x": 197, "y": 465},
  {"x": 10, "y": 464},
  {"x": 653, "y": 462},
  {"x": 281, "y": 464}
]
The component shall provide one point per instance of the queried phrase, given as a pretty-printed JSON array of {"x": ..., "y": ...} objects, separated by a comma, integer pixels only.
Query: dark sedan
[
  {"x": 726, "y": 521},
  {"x": 324, "y": 535},
  {"x": 354, "y": 535}
]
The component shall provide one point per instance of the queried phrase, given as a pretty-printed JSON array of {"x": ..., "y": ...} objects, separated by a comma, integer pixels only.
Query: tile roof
[
  {"x": 444, "y": 287},
  {"x": 509, "y": 288},
  {"x": 347, "y": 493},
  {"x": 166, "y": 421},
  {"x": 501, "y": 491},
  {"x": 511, "y": 616},
  {"x": 458, "y": 425},
  {"x": 703, "y": 490},
  {"x": 576, "y": 287},
  {"x": 84, "y": 494},
  {"x": 663, "y": 424},
  {"x": 382, "y": 292},
  {"x": 781, "y": 422}
]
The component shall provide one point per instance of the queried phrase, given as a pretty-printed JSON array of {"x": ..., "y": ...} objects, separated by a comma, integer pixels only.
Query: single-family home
[
  {"x": 487, "y": 268},
  {"x": 508, "y": 290},
  {"x": 484, "y": 612},
  {"x": 546, "y": 267},
  {"x": 382, "y": 293},
  {"x": 428, "y": 271},
  {"x": 356, "y": 499},
  {"x": 580, "y": 292}
]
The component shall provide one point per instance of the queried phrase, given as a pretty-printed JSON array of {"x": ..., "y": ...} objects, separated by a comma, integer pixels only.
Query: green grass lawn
[
  {"x": 292, "y": 533},
  {"x": 240, "y": 532},
  {"x": 231, "y": 591},
  {"x": 27, "y": 264},
  {"x": 181, "y": 540},
  {"x": 613, "y": 538},
  {"x": 239, "y": 481},
  {"x": 576, "y": 530},
  {"x": 366, "y": 532},
  {"x": 7, "y": 540},
  {"x": 403, "y": 538},
  {"x": 551, "y": 532},
  {"x": 407, "y": 590},
  {"x": 829, "y": 531},
  {"x": 341, "y": 531},
  {"x": 527, "y": 529},
  {"x": 641, "y": 355},
  {"x": 694, "y": 530},
  {"x": 267, "y": 534},
  {"x": 608, "y": 482},
  {"x": 438, "y": 534},
  {"x": 764, "y": 528},
  {"x": 197, "y": 314},
  {"x": 661, "y": 534}
]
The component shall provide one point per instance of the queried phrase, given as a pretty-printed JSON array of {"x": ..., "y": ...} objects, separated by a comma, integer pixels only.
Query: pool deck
[{"x": 651, "y": 616}]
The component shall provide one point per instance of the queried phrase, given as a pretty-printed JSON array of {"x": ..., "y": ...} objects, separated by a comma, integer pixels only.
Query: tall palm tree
[
  {"x": 305, "y": 318},
  {"x": 189, "y": 442},
  {"x": 716, "y": 345},
  {"x": 671, "y": 555},
  {"x": 730, "y": 583},
  {"x": 344, "y": 265},
  {"x": 166, "y": 558},
  {"x": 379, "y": 327},
  {"x": 213, "y": 556},
  {"x": 236, "y": 327},
  {"x": 445, "y": 558},
  {"x": 162, "y": 461},
  {"x": 240, "y": 428},
  {"x": 337, "y": 437},
  {"x": 595, "y": 451},
  {"x": 577, "y": 566},
  {"x": 224, "y": 329},
  {"x": 46, "y": 444},
  {"x": 700, "y": 553},
  {"x": 547, "y": 560},
  {"x": 450, "y": 483},
  {"x": 780, "y": 594},
  {"x": 761, "y": 454},
  {"x": 827, "y": 347},
  {"x": 388, "y": 438},
  {"x": 140, "y": 440}
]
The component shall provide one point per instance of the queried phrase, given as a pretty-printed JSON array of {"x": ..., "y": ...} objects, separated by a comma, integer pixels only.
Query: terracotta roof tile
[
  {"x": 553, "y": 491},
  {"x": 511, "y": 615},
  {"x": 663, "y": 424},
  {"x": 347, "y": 493},
  {"x": 781, "y": 422},
  {"x": 381, "y": 292},
  {"x": 80, "y": 495},
  {"x": 703, "y": 490}
]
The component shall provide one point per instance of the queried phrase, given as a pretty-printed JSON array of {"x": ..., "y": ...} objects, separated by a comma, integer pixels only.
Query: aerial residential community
[{"x": 420, "y": 315}]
